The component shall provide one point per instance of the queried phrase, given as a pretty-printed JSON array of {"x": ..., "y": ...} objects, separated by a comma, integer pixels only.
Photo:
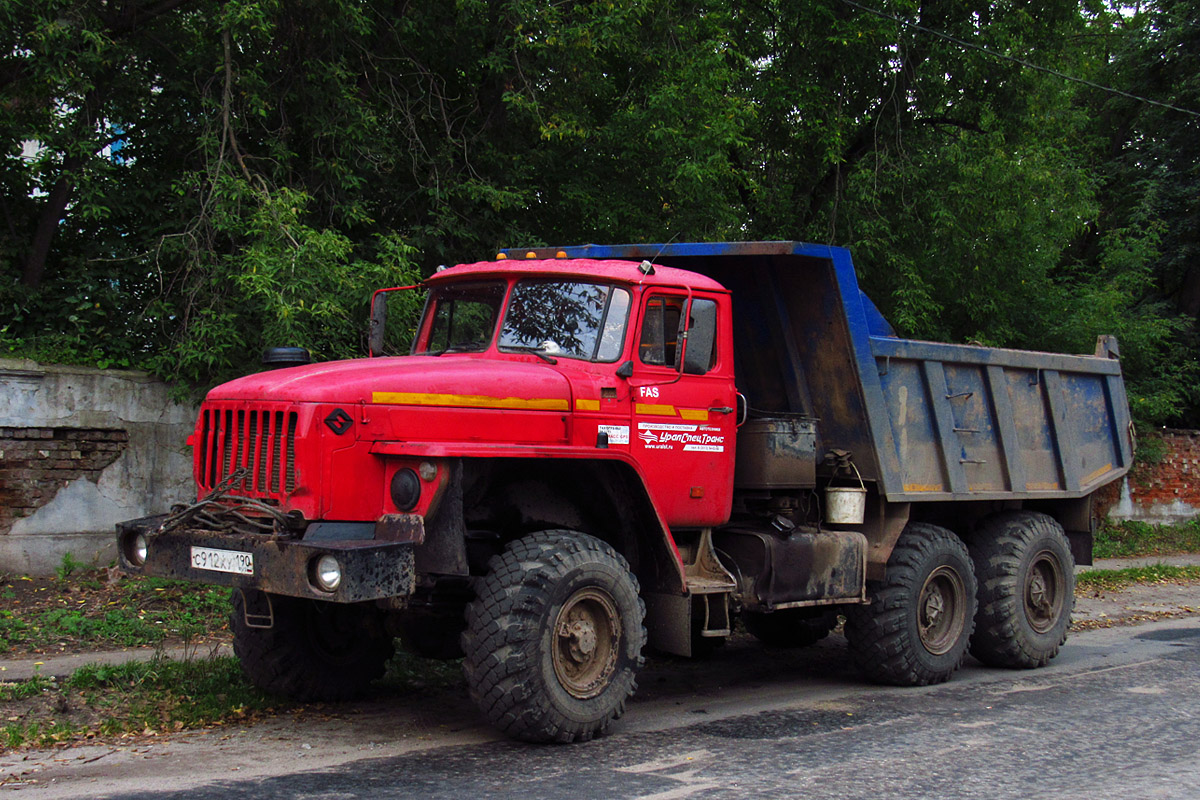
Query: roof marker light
[
  {"x": 531, "y": 254},
  {"x": 646, "y": 268},
  {"x": 561, "y": 254},
  {"x": 501, "y": 256}
]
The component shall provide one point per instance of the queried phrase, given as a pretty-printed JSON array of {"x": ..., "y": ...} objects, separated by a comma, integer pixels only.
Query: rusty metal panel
[
  {"x": 775, "y": 452},
  {"x": 804, "y": 568},
  {"x": 910, "y": 412},
  {"x": 1005, "y": 423},
  {"x": 371, "y": 570}
]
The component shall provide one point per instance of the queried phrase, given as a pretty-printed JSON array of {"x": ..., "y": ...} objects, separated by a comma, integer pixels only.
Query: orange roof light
[
  {"x": 501, "y": 256},
  {"x": 561, "y": 254},
  {"x": 531, "y": 254}
]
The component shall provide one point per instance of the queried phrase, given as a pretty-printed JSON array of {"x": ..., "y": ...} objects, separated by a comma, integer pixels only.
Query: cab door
[{"x": 684, "y": 425}]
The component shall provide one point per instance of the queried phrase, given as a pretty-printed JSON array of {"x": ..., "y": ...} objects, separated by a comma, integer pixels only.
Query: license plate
[{"x": 214, "y": 560}]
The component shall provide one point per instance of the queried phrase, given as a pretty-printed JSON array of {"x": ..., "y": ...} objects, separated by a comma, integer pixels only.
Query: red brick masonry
[
  {"x": 1167, "y": 490},
  {"x": 36, "y": 462}
]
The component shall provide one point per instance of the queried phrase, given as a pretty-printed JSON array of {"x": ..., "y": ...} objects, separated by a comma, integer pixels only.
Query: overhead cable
[{"x": 1015, "y": 60}]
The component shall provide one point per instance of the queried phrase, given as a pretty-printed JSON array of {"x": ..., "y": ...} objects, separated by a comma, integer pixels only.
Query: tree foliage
[{"x": 185, "y": 182}]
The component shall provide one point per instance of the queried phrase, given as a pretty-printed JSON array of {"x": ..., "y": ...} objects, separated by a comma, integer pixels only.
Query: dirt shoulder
[{"x": 1146, "y": 600}]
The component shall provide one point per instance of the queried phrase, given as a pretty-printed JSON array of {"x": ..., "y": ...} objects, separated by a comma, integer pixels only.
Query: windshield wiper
[{"x": 537, "y": 351}]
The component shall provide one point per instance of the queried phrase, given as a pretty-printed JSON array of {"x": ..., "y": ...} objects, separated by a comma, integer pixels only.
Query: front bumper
[{"x": 371, "y": 569}]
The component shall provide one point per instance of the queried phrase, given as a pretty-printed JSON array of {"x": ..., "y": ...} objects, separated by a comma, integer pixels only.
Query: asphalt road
[{"x": 1116, "y": 715}]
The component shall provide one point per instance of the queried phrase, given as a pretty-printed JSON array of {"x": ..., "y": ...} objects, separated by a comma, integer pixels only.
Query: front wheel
[
  {"x": 554, "y": 638},
  {"x": 916, "y": 630},
  {"x": 314, "y": 650},
  {"x": 1026, "y": 589}
]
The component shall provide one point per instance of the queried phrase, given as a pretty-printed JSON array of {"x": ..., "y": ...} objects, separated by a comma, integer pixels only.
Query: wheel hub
[
  {"x": 941, "y": 610},
  {"x": 587, "y": 634},
  {"x": 581, "y": 638},
  {"x": 1044, "y": 592}
]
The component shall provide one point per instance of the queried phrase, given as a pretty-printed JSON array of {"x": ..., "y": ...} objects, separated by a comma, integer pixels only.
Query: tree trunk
[{"x": 52, "y": 214}]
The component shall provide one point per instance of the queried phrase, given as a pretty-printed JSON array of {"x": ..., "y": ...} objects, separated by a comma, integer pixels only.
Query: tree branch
[{"x": 954, "y": 123}]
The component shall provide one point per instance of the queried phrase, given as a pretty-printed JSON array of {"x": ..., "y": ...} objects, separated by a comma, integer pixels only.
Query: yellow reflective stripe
[
  {"x": 695, "y": 414},
  {"x": 924, "y": 487},
  {"x": 469, "y": 400},
  {"x": 658, "y": 411},
  {"x": 1093, "y": 476},
  {"x": 587, "y": 405}
]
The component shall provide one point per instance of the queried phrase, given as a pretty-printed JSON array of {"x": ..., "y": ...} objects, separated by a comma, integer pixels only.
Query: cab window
[
  {"x": 463, "y": 317},
  {"x": 665, "y": 328},
  {"x": 566, "y": 319},
  {"x": 660, "y": 330}
]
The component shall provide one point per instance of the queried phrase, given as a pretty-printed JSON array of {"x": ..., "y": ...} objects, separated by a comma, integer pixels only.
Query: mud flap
[{"x": 669, "y": 623}]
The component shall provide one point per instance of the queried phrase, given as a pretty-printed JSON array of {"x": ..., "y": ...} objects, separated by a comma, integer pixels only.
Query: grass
[
  {"x": 19, "y": 690},
  {"x": 144, "y": 698},
  {"x": 1122, "y": 578},
  {"x": 101, "y": 701},
  {"x": 79, "y": 611},
  {"x": 1130, "y": 539}
]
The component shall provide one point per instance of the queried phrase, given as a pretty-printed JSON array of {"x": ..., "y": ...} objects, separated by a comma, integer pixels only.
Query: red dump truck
[{"x": 587, "y": 450}]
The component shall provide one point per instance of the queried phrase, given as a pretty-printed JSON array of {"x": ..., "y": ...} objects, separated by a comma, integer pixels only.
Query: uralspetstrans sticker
[{"x": 664, "y": 436}]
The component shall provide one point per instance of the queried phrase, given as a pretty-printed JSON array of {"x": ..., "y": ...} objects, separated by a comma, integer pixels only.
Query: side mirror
[{"x": 378, "y": 323}]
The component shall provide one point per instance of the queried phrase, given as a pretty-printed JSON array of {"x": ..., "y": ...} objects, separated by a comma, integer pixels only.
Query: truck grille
[{"x": 260, "y": 440}]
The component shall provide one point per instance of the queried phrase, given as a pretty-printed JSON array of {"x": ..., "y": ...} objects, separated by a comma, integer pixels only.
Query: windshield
[
  {"x": 568, "y": 319},
  {"x": 463, "y": 317}
]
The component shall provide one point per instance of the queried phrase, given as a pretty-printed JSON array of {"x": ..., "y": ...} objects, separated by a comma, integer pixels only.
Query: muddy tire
[
  {"x": 793, "y": 627},
  {"x": 916, "y": 630},
  {"x": 554, "y": 638},
  {"x": 1026, "y": 589},
  {"x": 314, "y": 651}
]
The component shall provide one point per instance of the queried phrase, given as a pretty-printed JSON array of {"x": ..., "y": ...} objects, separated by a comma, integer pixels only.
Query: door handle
[{"x": 722, "y": 410}]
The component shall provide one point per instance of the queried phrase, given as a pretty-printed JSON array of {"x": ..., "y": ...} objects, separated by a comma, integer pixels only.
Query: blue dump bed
[{"x": 926, "y": 421}]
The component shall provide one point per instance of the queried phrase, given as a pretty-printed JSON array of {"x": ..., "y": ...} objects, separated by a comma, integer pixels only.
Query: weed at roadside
[
  {"x": 88, "y": 612},
  {"x": 1130, "y": 538},
  {"x": 1122, "y": 578}
]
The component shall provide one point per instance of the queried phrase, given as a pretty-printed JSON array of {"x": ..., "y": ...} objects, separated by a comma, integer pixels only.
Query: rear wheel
[
  {"x": 1026, "y": 589},
  {"x": 314, "y": 650},
  {"x": 795, "y": 627},
  {"x": 916, "y": 630},
  {"x": 554, "y": 638}
]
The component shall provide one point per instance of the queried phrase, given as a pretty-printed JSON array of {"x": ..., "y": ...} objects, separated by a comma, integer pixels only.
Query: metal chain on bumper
[{"x": 228, "y": 513}]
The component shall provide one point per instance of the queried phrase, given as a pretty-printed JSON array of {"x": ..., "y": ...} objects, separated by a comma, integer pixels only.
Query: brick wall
[
  {"x": 1165, "y": 491},
  {"x": 36, "y": 462}
]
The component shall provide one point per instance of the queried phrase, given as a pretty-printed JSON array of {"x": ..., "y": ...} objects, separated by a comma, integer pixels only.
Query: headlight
[
  {"x": 406, "y": 489},
  {"x": 327, "y": 573},
  {"x": 136, "y": 549}
]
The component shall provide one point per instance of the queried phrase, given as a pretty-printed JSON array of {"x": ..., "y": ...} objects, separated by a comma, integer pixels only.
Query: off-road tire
[
  {"x": 1026, "y": 589},
  {"x": 792, "y": 627},
  {"x": 917, "y": 627},
  {"x": 315, "y": 651},
  {"x": 528, "y": 633}
]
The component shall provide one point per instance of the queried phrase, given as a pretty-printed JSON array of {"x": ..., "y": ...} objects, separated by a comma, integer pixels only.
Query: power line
[{"x": 1021, "y": 61}]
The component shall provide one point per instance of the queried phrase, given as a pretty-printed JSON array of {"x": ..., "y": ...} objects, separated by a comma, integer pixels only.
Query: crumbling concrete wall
[{"x": 80, "y": 450}]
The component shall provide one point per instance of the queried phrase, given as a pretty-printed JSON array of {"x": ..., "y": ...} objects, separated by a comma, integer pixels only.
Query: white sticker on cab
[{"x": 617, "y": 434}]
